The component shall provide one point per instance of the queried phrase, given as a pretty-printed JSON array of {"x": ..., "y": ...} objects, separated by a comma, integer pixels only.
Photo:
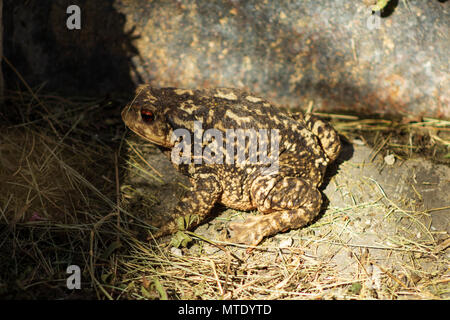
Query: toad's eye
[{"x": 147, "y": 116}]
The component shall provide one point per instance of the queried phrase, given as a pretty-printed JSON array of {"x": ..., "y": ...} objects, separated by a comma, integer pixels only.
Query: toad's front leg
[
  {"x": 287, "y": 202},
  {"x": 196, "y": 204}
]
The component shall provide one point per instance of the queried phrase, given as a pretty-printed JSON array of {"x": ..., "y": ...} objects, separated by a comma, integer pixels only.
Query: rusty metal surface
[
  {"x": 1, "y": 50},
  {"x": 289, "y": 52}
]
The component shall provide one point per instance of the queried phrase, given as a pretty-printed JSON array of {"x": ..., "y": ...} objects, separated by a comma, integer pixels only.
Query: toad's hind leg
[{"x": 288, "y": 203}]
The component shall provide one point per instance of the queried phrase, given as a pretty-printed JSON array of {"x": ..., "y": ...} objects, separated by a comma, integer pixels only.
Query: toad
[{"x": 238, "y": 150}]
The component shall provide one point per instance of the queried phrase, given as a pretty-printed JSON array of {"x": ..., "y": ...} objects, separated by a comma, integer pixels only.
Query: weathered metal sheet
[
  {"x": 1, "y": 50},
  {"x": 333, "y": 52}
]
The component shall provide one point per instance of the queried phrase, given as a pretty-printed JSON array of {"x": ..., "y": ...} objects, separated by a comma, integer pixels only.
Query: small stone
[
  {"x": 176, "y": 252},
  {"x": 210, "y": 250},
  {"x": 389, "y": 159},
  {"x": 415, "y": 278},
  {"x": 286, "y": 243},
  {"x": 359, "y": 142}
]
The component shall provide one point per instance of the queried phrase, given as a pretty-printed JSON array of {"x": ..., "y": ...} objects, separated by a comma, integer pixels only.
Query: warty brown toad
[{"x": 284, "y": 158}]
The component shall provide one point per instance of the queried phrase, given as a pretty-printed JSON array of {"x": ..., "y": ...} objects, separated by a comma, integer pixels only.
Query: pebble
[
  {"x": 359, "y": 142},
  {"x": 389, "y": 159},
  {"x": 286, "y": 243},
  {"x": 176, "y": 251}
]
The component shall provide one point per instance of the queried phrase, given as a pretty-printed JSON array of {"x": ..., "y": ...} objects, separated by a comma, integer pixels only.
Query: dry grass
[
  {"x": 61, "y": 168},
  {"x": 225, "y": 271}
]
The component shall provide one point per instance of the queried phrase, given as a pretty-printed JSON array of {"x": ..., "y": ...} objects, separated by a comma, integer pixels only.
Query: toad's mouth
[
  {"x": 146, "y": 132},
  {"x": 141, "y": 132}
]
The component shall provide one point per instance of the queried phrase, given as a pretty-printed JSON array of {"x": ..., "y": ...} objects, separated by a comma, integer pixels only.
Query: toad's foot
[
  {"x": 255, "y": 228},
  {"x": 247, "y": 232},
  {"x": 289, "y": 203}
]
